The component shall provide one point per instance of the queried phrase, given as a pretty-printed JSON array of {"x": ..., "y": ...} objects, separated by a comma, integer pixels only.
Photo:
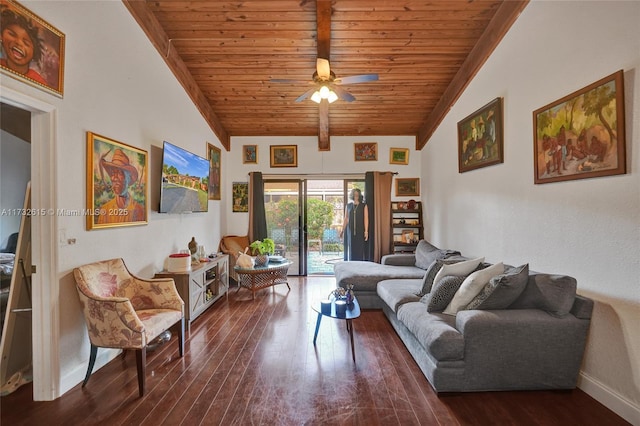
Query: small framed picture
[
  {"x": 407, "y": 236},
  {"x": 406, "y": 187},
  {"x": 284, "y": 156},
  {"x": 249, "y": 154},
  {"x": 215, "y": 171},
  {"x": 41, "y": 63},
  {"x": 365, "y": 151},
  {"x": 240, "y": 197},
  {"x": 399, "y": 156}
]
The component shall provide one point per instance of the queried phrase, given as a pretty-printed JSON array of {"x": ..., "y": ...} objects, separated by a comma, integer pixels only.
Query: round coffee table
[{"x": 352, "y": 312}]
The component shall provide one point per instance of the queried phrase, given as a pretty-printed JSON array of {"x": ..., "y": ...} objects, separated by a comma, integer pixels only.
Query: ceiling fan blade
[
  {"x": 343, "y": 94},
  {"x": 323, "y": 69},
  {"x": 353, "y": 79},
  {"x": 284, "y": 80},
  {"x": 323, "y": 130},
  {"x": 305, "y": 95},
  {"x": 323, "y": 26}
]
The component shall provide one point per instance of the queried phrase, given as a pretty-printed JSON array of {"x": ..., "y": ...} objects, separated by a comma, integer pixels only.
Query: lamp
[{"x": 324, "y": 93}]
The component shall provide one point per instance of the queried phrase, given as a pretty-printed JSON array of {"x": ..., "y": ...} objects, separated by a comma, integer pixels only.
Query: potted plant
[{"x": 261, "y": 249}]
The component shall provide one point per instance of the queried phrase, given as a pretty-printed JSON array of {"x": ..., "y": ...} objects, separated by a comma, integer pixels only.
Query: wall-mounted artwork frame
[
  {"x": 249, "y": 154},
  {"x": 399, "y": 156},
  {"x": 214, "y": 155},
  {"x": 283, "y": 155},
  {"x": 365, "y": 151},
  {"x": 581, "y": 135},
  {"x": 480, "y": 137},
  {"x": 407, "y": 187},
  {"x": 116, "y": 183},
  {"x": 40, "y": 64},
  {"x": 240, "y": 192}
]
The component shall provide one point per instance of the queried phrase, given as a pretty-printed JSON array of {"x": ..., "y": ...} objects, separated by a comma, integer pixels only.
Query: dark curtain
[{"x": 257, "y": 215}]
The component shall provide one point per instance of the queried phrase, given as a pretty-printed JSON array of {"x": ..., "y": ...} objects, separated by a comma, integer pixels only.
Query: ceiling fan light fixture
[
  {"x": 332, "y": 97},
  {"x": 324, "y": 93},
  {"x": 316, "y": 97}
]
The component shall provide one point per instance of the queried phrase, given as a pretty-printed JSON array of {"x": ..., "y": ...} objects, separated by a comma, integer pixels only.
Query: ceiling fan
[{"x": 326, "y": 88}]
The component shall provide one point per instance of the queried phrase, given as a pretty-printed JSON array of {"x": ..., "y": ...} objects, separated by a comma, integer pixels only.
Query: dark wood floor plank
[{"x": 253, "y": 362}]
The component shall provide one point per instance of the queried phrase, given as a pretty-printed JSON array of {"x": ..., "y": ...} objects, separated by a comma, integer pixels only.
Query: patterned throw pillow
[
  {"x": 442, "y": 292},
  {"x": 471, "y": 286},
  {"x": 501, "y": 291},
  {"x": 427, "y": 281}
]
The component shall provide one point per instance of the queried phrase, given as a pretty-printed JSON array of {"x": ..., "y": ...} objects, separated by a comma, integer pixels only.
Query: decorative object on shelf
[
  {"x": 411, "y": 204},
  {"x": 284, "y": 156},
  {"x": 594, "y": 143},
  {"x": 480, "y": 138},
  {"x": 43, "y": 67},
  {"x": 365, "y": 151},
  {"x": 399, "y": 156},
  {"x": 214, "y": 156},
  {"x": 193, "y": 249},
  {"x": 179, "y": 262},
  {"x": 262, "y": 249},
  {"x": 407, "y": 187}
]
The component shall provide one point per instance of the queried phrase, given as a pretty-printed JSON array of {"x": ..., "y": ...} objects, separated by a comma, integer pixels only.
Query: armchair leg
[
  {"x": 141, "y": 361},
  {"x": 92, "y": 361},
  {"x": 181, "y": 337}
]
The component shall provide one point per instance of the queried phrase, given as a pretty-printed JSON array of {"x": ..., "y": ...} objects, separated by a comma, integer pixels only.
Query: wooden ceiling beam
[
  {"x": 152, "y": 28},
  {"x": 505, "y": 16}
]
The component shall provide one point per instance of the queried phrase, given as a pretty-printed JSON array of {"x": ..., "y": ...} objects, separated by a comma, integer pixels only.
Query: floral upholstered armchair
[{"x": 126, "y": 312}]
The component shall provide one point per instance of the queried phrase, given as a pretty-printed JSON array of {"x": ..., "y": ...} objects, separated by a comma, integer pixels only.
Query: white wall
[
  {"x": 116, "y": 85},
  {"x": 340, "y": 159},
  {"x": 15, "y": 171},
  {"x": 589, "y": 228}
]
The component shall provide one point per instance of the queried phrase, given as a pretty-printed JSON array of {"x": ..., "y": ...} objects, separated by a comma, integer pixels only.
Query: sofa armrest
[
  {"x": 582, "y": 307},
  {"x": 400, "y": 259}
]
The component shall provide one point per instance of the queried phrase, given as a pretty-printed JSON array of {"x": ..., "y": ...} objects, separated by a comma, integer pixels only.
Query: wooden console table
[{"x": 260, "y": 277}]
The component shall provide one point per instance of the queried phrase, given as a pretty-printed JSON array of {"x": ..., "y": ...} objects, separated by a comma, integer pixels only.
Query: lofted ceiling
[{"x": 225, "y": 54}]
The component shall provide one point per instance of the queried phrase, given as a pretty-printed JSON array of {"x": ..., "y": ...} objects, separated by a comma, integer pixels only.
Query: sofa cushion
[
  {"x": 442, "y": 292},
  {"x": 471, "y": 286},
  {"x": 551, "y": 293},
  {"x": 501, "y": 291},
  {"x": 366, "y": 275},
  {"x": 397, "y": 292},
  {"x": 460, "y": 268},
  {"x": 427, "y": 281},
  {"x": 435, "y": 332},
  {"x": 426, "y": 254}
]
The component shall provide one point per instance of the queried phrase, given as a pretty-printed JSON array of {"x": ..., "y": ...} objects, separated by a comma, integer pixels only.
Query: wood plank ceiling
[{"x": 226, "y": 52}]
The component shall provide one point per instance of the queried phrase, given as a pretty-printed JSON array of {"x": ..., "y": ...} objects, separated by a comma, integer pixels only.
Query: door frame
[{"x": 45, "y": 284}]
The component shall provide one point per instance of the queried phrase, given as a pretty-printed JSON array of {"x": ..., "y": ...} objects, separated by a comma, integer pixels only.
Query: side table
[{"x": 352, "y": 312}]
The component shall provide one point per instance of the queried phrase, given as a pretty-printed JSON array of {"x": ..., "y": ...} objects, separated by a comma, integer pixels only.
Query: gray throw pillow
[
  {"x": 432, "y": 271},
  {"x": 554, "y": 294},
  {"x": 501, "y": 291},
  {"x": 442, "y": 293},
  {"x": 426, "y": 254}
]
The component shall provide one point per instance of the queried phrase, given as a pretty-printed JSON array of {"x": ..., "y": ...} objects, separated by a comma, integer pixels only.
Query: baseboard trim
[
  {"x": 610, "y": 398},
  {"x": 77, "y": 375}
]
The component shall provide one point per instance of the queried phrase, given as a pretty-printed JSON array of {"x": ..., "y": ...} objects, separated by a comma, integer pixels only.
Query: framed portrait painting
[
  {"x": 365, "y": 151},
  {"x": 399, "y": 156},
  {"x": 32, "y": 49},
  {"x": 214, "y": 155},
  {"x": 480, "y": 138},
  {"x": 116, "y": 183},
  {"x": 249, "y": 154},
  {"x": 581, "y": 135},
  {"x": 240, "y": 192},
  {"x": 284, "y": 155},
  {"x": 407, "y": 187}
]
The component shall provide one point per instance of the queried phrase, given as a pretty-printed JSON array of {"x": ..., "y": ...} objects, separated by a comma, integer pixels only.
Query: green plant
[{"x": 266, "y": 246}]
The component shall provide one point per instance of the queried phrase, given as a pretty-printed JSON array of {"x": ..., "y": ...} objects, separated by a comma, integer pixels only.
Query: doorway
[{"x": 305, "y": 217}]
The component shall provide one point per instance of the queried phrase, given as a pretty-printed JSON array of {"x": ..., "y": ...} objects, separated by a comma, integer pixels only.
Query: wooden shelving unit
[{"x": 407, "y": 226}]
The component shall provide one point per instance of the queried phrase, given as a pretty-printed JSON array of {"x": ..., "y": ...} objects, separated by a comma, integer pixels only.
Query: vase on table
[
  {"x": 262, "y": 259},
  {"x": 349, "y": 296}
]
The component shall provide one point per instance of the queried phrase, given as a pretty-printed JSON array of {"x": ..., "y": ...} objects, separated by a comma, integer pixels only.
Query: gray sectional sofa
[{"x": 536, "y": 342}]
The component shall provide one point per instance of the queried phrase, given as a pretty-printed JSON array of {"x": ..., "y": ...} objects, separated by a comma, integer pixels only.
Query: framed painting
[
  {"x": 249, "y": 154},
  {"x": 365, "y": 151},
  {"x": 407, "y": 187},
  {"x": 480, "y": 138},
  {"x": 581, "y": 135},
  {"x": 240, "y": 192},
  {"x": 214, "y": 155},
  {"x": 284, "y": 155},
  {"x": 407, "y": 236},
  {"x": 399, "y": 156},
  {"x": 32, "y": 49},
  {"x": 116, "y": 183}
]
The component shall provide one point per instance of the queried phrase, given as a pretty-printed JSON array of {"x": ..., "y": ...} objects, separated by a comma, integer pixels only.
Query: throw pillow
[
  {"x": 471, "y": 286},
  {"x": 459, "y": 268},
  {"x": 502, "y": 291},
  {"x": 426, "y": 254},
  {"x": 427, "y": 281},
  {"x": 551, "y": 293},
  {"x": 442, "y": 292}
]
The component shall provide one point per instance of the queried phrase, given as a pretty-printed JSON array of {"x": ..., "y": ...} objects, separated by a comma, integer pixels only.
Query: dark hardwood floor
[{"x": 253, "y": 362}]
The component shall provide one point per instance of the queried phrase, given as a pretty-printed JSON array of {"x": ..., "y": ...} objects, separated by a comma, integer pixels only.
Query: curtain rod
[{"x": 328, "y": 176}]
